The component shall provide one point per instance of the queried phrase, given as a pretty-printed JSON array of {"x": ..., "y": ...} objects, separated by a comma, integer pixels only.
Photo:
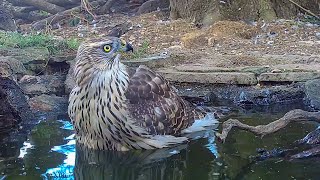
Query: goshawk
[{"x": 113, "y": 108}]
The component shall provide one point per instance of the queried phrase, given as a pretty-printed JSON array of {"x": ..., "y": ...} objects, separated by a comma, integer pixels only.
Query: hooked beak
[{"x": 128, "y": 47}]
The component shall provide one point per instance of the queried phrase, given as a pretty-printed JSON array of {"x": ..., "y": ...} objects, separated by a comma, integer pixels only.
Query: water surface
[{"x": 50, "y": 152}]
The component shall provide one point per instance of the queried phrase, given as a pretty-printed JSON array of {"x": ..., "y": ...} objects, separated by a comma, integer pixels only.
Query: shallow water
[{"x": 50, "y": 153}]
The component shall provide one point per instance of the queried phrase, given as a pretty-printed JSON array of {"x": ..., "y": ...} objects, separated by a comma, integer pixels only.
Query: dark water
[{"x": 50, "y": 153}]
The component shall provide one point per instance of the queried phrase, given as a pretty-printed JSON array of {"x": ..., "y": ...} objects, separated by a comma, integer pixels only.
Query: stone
[
  {"x": 211, "y": 78},
  {"x": 269, "y": 95},
  {"x": 49, "y": 103},
  {"x": 59, "y": 59},
  {"x": 13, "y": 105},
  {"x": 152, "y": 5},
  {"x": 256, "y": 69},
  {"x": 34, "y": 59},
  {"x": 70, "y": 81},
  {"x": 317, "y": 34},
  {"x": 14, "y": 64},
  {"x": 43, "y": 84},
  {"x": 288, "y": 76},
  {"x": 312, "y": 90},
  {"x": 7, "y": 21}
]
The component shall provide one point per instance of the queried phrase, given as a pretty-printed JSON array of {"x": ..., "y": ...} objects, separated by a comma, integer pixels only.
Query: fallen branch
[{"x": 296, "y": 115}]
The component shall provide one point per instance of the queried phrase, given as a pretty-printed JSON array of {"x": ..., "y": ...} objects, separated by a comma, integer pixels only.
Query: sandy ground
[{"x": 283, "y": 44}]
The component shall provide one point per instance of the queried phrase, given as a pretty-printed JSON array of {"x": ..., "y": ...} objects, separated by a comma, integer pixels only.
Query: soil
[{"x": 227, "y": 44}]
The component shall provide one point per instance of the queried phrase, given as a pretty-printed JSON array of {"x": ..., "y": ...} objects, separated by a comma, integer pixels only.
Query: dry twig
[
  {"x": 296, "y": 115},
  {"x": 306, "y": 10}
]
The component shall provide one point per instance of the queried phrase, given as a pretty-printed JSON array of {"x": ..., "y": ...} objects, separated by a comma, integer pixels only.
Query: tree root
[
  {"x": 296, "y": 115},
  {"x": 59, "y": 16}
]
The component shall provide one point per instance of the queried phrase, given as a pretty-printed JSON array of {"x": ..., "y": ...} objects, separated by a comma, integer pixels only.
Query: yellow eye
[
  {"x": 123, "y": 43},
  {"x": 107, "y": 48}
]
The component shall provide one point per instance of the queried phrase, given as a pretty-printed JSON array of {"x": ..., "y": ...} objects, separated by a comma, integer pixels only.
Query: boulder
[
  {"x": 312, "y": 90},
  {"x": 34, "y": 59},
  {"x": 7, "y": 21},
  {"x": 44, "y": 84},
  {"x": 13, "y": 105},
  {"x": 49, "y": 104},
  {"x": 16, "y": 66}
]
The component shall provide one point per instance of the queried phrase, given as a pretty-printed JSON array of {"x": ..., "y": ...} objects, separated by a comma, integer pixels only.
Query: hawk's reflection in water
[{"x": 131, "y": 165}]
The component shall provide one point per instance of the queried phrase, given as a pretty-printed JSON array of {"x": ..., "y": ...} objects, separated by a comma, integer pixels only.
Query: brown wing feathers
[{"x": 155, "y": 106}]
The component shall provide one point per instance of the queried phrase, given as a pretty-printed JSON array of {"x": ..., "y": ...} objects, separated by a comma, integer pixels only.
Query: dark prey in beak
[{"x": 129, "y": 47}]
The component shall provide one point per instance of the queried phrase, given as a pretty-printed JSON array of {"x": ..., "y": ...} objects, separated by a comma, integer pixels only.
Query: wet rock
[
  {"x": 245, "y": 96},
  {"x": 44, "y": 84},
  {"x": 13, "y": 105},
  {"x": 269, "y": 96},
  {"x": 34, "y": 59},
  {"x": 265, "y": 154},
  {"x": 312, "y": 89},
  {"x": 311, "y": 138},
  {"x": 315, "y": 151},
  {"x": 49, "y": 103},
  {"x": 288, "y": 76}
]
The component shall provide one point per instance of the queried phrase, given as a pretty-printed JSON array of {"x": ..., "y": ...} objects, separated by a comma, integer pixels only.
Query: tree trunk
[{"x": 209, "y": 11}]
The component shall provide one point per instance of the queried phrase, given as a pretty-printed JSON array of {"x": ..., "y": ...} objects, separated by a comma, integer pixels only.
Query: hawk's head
[{"x": 99, "y": 55}]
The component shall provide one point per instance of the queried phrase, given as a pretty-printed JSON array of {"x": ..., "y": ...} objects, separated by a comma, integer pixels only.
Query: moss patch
[{"x": 54, "y": 45}]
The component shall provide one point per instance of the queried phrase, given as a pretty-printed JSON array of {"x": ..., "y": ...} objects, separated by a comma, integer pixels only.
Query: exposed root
[
  {"x": 59, "y": 16},
  {"x": 296, "y": 115}
]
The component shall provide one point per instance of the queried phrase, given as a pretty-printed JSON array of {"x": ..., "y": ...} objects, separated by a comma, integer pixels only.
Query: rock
[
  {"x": 59, "y": 59},
  {"x": 282, "y": 96},
  {"x": 312, "y": 89},
  {"x": 276, "y": 70},
  {"x": 317, "y": 35},
  {"x": 7, "y": 21},
  {"x": 211, "y": 78},
  {"x": 257, "y": 70},
  {"x": 13, "y": 105},
  {"x": 6, "y": 71},
  {"x": 120, "y": 29},
  {"x": 16, "y": 66},
  {"x": 288, "y": 76},
  {"x": 70, "y": 82},
  {"x": 34, "y": 59},
  {"x": 153, "y": 5},
  {"x": 269, "y": 96},
  {"x": 49, "y": 103},
  {"x": 44, "y": 84}
]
